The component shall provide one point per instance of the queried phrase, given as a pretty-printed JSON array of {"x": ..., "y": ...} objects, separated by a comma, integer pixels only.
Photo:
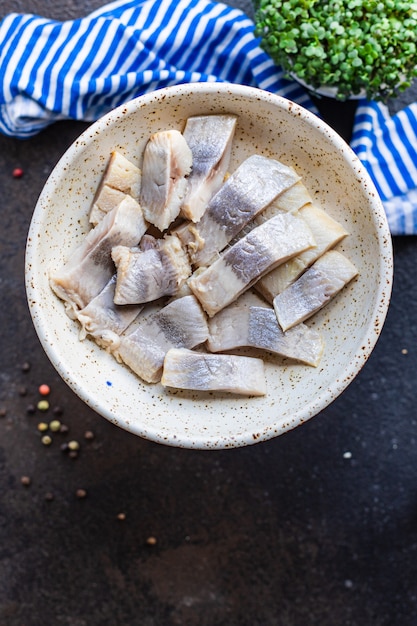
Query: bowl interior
[{"x": 350, "y": 324}]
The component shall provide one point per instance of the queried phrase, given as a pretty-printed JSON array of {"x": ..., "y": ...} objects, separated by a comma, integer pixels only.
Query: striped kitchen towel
[
  {"x": 387, "y": 146},
  {"x": 81, "y": 69}
]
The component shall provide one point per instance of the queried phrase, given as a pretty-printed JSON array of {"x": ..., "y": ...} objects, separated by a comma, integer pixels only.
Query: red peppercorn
[
  {"x": 17, "y": 172},
  {"x": 44, "y": 390}
]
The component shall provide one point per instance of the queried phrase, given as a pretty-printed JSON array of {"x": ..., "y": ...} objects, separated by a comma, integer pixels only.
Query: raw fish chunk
[
  {"x": 104, "y": 320},
  {"x": 181, "y": 323},
  {"x": 90, "y": 267},
  {"x": 167, "y": 161},
  {"x": 248, "y": 259},
  {"x": 327, "y": 232},
  {"x": 121, "y": 176},
  {"x": 290, "y": 200},
  {"x": 185, "y": 369},
  {"x": 315, "y": 288},
  {"x": 104, "y": 202},
  {"x": 257, "y": 327},
  {"x": 254, "y": 185},
  {"x": 146, "y": 275},
  {"x": 210, "y": 140}
]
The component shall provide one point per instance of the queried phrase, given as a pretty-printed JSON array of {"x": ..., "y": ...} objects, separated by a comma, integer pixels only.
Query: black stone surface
[{"x": 315, "y": 528}]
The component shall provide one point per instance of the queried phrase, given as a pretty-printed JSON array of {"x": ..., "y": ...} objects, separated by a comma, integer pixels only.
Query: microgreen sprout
[{"x": 358, "y": 46}]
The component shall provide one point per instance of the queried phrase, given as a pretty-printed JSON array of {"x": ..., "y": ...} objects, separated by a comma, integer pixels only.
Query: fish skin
[
  {"x": 210, "y": 140},
  {"x": 257, "y": 327},
  {"x": 89, "y": 268},
  {"x": 251, "y": 188},
  {"x": 198, "y": 371},
  {"x": 146, "y": 275},
  {"x": 167, "y": 161},
  {"x": 241, "y": 265},
  {"x": 181, "y": 323},
  {"x": 327, "y": 233},
  {"x": 121, "y": 176},
  {"x": 314, "y": 289}
]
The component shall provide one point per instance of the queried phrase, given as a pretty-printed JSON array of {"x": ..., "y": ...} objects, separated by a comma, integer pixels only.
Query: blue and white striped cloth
[{"x": 81, "y": 69}]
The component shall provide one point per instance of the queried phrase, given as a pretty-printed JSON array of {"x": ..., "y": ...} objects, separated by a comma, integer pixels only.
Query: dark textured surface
[{"x": 317, "y": 527}]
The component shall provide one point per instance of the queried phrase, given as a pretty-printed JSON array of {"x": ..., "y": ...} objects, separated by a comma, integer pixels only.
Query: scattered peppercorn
[
  {"x": 31, "y": 408},
  {"x": 42, "y": 426},
  {"x": 57, "y": 410},
  {"x": 44, "y": 390},
  {"x": 73, "y": 454},
  {"x": 43, "y": 405},
  {"x": 89, "y": 435},
  {"x": 49, "y": 496},
  {"x": 25, "y": 480},
  {"x": 73, "y": 445},
  {"x": 3, "y": 412},
  {"x": 151, "y": 541},
  {"x": 81, "y": 493},
  {"x": 63, "y": 428},
  {"x": 121, "y": 516},
  {"x": 26, "y": 366},
  {"x": 46, "y": 440},
  {"x": 17, "y": 172},
  {"x": 55, "y": 426},
  {"x": 22, "y": 391}
]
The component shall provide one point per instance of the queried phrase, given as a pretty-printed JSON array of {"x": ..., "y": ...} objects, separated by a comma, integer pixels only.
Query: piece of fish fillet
[
  {"x": 257, "y": 327},
  {"x": 105, "y": 321},
  {"x": 210, "y": 140},
  {"x": 146, "y": 275},
  {"x": 315, "y": 288},
  {"x": 248, "y": 259},
  {"x": 253, "y": 185},
  {"x": 327, "y": 232},
  {"x": 121, "y": 176},
  {"x": 90, "y": 266},
  {"x": 186, "y": 369},
  {"x": 167, "y": 161},
  {"x": 181, "y": 323},
  {"x": 290, "y": 200}
]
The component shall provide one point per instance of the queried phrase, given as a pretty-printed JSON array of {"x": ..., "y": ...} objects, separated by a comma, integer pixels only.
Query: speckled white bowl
[{"x": 350, "y": 324}]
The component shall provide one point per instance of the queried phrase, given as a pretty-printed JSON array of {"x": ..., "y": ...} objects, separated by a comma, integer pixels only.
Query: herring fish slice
[
  {"x": 291, "y": 199},
  {"x": 315, "y": 288},
  {"x": 167, "y": 161},
  {"x": 257, "y": 327},
  {"x": 120, "y": 177},
  {"x": 90, "y": 266},
  {"x": 105, "y": 321},
  {"x": 248, "y": 259},
  {"x": 181, "y": 323},
  {"x": 210, "y": 140},
  {"x": 146, "y": 275},
  {"x": 253, "y": 185},
  {"x": 197, "y": 371},
  {"x": 327, "y": 232}
]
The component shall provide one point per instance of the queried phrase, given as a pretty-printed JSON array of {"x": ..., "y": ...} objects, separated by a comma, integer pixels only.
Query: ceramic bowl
[{"x": 351, "y": 323}]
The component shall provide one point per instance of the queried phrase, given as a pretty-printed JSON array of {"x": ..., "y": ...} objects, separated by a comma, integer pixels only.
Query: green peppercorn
[
  {"x": 43, "y": 405},
  {"x": 55, "y": 426}
]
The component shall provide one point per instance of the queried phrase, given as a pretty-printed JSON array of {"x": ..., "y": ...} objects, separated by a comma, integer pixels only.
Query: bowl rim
[{"x": 371, "y": 332}]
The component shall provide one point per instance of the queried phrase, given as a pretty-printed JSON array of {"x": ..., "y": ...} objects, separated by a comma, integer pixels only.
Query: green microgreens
[{"x": 358, "y": 46}]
